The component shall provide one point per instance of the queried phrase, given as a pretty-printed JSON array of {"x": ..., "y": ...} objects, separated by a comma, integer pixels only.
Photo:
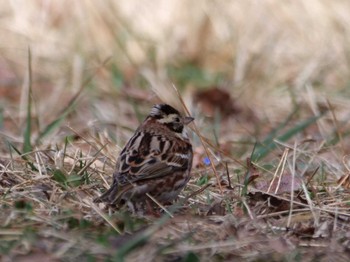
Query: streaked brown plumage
[{"x": 156, "y": 160}]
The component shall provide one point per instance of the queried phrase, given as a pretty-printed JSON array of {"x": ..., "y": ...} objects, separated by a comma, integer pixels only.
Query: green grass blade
[
  {"x": 55, "y": 124},
  {"x": 25, "y": 158},
  {"x": 271, "y": 136},
  {"x": 60, "y": 177},
  {"x": 27, "y": 147},
  {"x": 264, "y": 148}
]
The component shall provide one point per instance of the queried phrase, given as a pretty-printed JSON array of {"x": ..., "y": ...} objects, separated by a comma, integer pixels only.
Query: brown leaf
[
  {"x": 283, "y": 185},
  {"x": 273, "y": 202},
  {"x": 216, "y": 99},
  {"x": 303, "y": 230}
]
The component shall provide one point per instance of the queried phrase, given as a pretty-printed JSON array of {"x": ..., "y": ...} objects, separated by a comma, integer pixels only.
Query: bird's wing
[
  {"x": 155, "y": 168},
  {"x": 147, "y": 156}
]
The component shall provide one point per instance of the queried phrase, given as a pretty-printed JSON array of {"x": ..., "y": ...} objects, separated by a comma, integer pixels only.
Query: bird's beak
[{"x": 187, "y": 120}]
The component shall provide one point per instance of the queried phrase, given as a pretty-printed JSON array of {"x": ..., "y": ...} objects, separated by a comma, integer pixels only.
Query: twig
[{"x": 200, "y": 137}]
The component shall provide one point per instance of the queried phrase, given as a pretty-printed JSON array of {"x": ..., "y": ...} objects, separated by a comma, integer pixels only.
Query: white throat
[{"x": 184, "y": 133}]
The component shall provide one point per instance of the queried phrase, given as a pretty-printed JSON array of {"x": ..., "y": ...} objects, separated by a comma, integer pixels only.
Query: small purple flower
[{"x": 206, "y": 161}]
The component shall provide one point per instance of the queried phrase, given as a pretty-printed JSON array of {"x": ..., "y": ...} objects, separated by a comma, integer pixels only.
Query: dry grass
[{"x": 277, "y": 184}]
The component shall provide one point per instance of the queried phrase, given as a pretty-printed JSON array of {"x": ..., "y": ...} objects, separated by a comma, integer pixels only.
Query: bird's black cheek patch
[{"x": 175, "y": 127}]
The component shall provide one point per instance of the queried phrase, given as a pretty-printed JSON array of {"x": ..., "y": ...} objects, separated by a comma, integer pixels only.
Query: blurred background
[{"x": 251, "y": 61}]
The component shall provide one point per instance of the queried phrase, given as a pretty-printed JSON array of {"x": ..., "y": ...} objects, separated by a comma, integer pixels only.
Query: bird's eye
[{"x": 177, "y": 119}]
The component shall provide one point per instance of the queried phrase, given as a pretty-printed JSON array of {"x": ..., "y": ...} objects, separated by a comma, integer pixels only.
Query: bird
[{"x": 156, "y": 160}]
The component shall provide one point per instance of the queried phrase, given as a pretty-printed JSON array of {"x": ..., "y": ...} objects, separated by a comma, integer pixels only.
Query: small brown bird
[{"x": 156, "y": 160}]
